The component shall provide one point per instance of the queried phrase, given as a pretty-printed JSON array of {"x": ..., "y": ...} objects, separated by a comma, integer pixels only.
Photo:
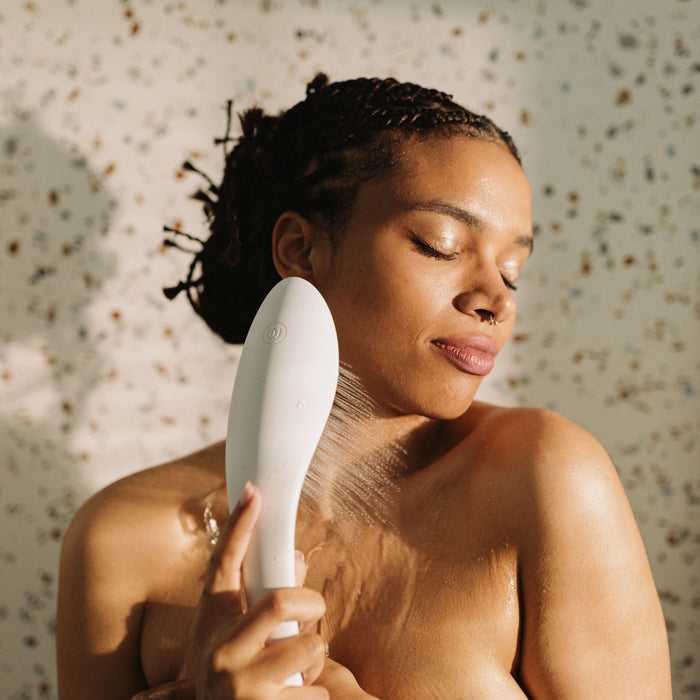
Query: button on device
[{"x": 274, "y": 333}]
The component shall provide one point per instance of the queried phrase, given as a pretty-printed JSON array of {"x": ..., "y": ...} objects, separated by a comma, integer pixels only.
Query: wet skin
[
  {"x": 492, "y": 570},
  {"x": 430, "y": 251}
]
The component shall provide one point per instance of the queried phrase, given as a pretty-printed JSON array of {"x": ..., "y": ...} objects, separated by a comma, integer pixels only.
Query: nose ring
[{"x": 492, "y": 320}]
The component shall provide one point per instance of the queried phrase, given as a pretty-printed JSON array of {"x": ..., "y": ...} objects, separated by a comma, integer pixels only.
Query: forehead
[
  {"x": 457, "y": 163},
  {"x": 480, "y": 176}
]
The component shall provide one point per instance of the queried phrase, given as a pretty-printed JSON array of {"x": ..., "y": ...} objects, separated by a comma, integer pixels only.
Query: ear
[{"x": 299, "y": 248}]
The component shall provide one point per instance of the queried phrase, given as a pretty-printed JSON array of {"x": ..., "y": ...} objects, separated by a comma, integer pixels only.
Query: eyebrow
[{"x": 466, "y": 217}]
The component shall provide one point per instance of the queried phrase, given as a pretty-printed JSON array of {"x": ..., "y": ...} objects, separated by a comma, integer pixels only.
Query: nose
[{"x": 486, "y": 295}]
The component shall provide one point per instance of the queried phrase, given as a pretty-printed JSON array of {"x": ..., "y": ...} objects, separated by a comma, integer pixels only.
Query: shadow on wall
[{"x": 53, "y": 214}]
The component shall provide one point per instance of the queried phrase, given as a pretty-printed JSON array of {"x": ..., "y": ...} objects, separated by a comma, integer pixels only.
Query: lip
[{"x": 473, "y": 354}]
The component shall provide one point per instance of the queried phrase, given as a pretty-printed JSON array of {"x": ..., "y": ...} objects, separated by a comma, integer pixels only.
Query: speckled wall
[{"x": 100, "y": 375}]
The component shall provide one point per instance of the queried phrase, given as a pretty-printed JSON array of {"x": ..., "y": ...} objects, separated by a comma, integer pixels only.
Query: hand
[
  {"x": 340, "y": 683},
  {"x": 228, "y": 656}
]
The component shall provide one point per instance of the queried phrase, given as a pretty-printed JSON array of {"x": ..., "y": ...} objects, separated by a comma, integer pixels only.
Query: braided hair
[{"x": 311, "y": 159}]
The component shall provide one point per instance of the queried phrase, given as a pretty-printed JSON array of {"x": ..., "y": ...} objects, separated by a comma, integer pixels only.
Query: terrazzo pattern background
[{"x": 100, "y": 103}]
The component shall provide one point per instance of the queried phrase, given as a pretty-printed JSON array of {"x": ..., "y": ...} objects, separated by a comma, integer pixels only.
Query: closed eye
[
  {"x": 424, "y": 249},
  {"x": 509, "y": 284}
]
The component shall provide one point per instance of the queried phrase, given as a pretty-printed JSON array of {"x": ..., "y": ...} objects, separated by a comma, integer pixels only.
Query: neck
[{"x": 363, "y": 455}]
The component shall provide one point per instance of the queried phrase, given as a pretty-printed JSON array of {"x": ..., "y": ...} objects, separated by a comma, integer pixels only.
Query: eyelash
[{"x": 424, "y": 249}]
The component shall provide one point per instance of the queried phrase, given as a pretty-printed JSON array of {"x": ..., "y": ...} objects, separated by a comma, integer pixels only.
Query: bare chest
[
  {"x": 417, "y": 620},
  {"x": 407, "y": 623}
]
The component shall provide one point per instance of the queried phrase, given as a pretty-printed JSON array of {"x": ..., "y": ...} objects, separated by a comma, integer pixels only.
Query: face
[{"x": 429, "y": 253}]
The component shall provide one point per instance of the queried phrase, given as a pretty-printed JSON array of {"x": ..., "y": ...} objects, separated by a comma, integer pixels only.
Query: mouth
[{"x": 474, "y": 354}]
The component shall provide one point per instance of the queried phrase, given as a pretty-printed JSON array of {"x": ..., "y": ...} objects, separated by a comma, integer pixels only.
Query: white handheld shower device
[{"x": 282, "y": 396}]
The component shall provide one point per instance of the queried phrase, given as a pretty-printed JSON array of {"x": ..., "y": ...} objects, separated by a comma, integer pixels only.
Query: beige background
[{"x": 100, "y": 102}]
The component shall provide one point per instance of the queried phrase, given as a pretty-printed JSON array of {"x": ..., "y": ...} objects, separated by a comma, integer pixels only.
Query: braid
[{"x": 311, "y": 159}]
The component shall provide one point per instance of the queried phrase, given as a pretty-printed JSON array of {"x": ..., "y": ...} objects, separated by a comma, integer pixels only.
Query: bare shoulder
[
  {"x": 550, "y": 478},
  {"x": 539, "y": 452},
  {"x": 592, "y": 622},
  {"x": 540, "y": 428},
  {"x": 555, "y": 477},
  {"x": 153, "y": 501},
  {"x": 122, "y": 545}
]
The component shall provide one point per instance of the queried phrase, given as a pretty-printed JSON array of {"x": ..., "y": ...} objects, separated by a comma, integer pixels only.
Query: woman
[{"x": 453, "y": 549}]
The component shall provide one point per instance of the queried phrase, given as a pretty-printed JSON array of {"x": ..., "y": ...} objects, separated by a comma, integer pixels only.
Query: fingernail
[
  {"x": 247, "y": 494},
  {"x": 298, "y": 554}
]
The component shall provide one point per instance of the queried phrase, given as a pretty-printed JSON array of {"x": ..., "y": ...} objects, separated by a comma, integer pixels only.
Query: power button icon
[{"x": 274, "y": 333}]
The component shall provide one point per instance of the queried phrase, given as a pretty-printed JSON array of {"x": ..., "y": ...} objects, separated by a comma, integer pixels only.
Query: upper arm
[
  {"x": 592, "y": 621},
  {"x": 100, "y": 602}
]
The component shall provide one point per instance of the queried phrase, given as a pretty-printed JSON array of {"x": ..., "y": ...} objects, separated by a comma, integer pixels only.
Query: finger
[
  {"x": 308, "y": 692},
  {"x": 300, "y": 571},
  {"x": 301, "y": 604},
  {"x": 224, "y": 572},
  {"x": 287, "y": 657},
  {"x": 299, "y": 568},
  {"x": 340, "y": 682},
  {"x": 312, "y": 673},
  {"x": 254, "y": 628}
]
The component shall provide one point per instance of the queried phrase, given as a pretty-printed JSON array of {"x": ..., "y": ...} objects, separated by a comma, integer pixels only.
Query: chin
[
  {"x": 432, "y": 395},
  {"x": 446, "y": 411},
  {"x": 445, "y": 403}
]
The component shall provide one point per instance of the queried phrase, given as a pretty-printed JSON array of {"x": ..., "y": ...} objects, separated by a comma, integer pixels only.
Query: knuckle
[
  {"x": 280, "y": 604},
  {"x": 321, "y": 602},
  {"x": 315, "y": 646}
]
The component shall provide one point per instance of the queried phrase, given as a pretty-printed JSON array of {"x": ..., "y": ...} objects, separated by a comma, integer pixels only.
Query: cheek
[
  {"x": 368, "y": 315},
  {"x": 376, "y": 295},
  {"x": 361, "y": 310}
]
